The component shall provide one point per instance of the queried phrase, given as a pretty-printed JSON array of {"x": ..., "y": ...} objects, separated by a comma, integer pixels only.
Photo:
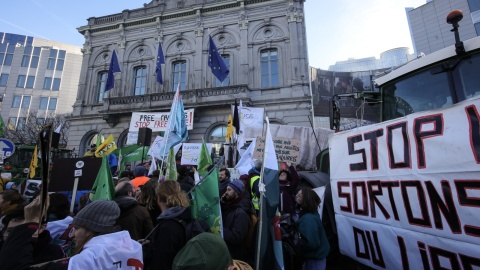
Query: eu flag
[
  {"x": 215, "y": 62},
  {"x": 114, "y": 67},
  {"x": 160, "y": 61}
]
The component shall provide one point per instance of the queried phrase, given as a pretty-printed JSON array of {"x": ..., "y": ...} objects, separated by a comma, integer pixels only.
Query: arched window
[
  {"x": 217, "y": 138},
  {"x": 140, "y": 80},
  {"x": 101, "y": 83}
]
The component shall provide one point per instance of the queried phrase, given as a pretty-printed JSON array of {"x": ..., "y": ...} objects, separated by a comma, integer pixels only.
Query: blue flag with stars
[
  {"x": 160, "y": 61},
  {"x": 114, "y": 67},
  {"x": 215, "y": 62}
]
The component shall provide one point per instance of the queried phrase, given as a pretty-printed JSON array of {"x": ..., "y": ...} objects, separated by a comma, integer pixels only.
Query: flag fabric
[
  {"x": 106, "y": 147},
  {"x": 171, "y": 165},
  {"x": 241, "y": 130},
  {"x": 215, "y": 61},
  {"x": 153, "y": 166},
  {"x": 103, "y": 187},
  {"x": 160, "y": 61},
  {"x": 236, "y": 120},
  {"x": 229, "y": 134},
  {"x": 269, "y": 201},
  {"x": 2, "y": 126},
  {"x": 114, "y": 67},
  {"x": 58, "y": 129},
  {"x": 99, "y": 139},
  {"x": 206, "y": 198},
  {"x": 176, "y": 131},
  {"x": 33, "y": 163}
]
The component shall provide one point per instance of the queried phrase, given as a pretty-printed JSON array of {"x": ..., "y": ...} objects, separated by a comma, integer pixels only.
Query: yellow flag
[
  {"x": 106, "y": 147},
  {"x": 229, "y": 128},
  {"x": 33, "y": 163}
]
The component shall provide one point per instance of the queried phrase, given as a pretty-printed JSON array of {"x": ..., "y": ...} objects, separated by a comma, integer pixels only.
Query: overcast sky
[{"x": 336, "y": 30}]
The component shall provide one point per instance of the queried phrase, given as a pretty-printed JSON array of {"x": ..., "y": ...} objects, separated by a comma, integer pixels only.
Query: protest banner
[
  {"x": 191, "y": 152},
  {"x": 406, "y": 192},
  {"x": 286, "y": 149},
  {"x": 157, "y": 121},
  {"x": 154, "y": 150}
]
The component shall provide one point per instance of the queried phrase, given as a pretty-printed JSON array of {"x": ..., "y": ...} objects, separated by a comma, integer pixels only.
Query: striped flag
[{"x": 268, "y": 236}]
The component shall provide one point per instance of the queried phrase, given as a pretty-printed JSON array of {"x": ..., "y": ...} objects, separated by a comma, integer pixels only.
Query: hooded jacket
[
  {"x": 236, "y": 220},
  {"x": 169, "y": 237},
  {"x": 133, "y": 217}
]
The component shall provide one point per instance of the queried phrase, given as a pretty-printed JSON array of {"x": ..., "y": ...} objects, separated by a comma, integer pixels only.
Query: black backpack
[{"x": 194, "y": 227}]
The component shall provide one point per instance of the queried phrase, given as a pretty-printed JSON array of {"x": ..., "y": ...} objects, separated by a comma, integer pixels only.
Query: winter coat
[
  {"x": 133, "y": 217},
  {"x": 316, "y": 243},
  {"x": 169, "y": 237},
  {"x": 236, "y": 221},
  {"x": 186, "y": 183},
  {"x": 288, "y": 191},
  {"x": 98, "y": 253}
]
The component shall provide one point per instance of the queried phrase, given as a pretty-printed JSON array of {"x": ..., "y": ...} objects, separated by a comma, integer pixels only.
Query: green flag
[
  {"x": 171, "y": 173},
  {"x": 103, "y": 187},
  {"x": 2, "y": 126},
  {"x": 206, "y": 200},
  {"x": 99, "y": 139}
]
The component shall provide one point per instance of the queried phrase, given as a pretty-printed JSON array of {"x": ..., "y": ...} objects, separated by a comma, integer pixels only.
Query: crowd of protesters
[{"x": 143, "y": 227}]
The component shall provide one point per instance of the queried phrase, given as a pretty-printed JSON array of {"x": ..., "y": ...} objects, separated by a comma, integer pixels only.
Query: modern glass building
[
  {"x": 36, "y": 76},
  {"x": 430, "y": 30}
]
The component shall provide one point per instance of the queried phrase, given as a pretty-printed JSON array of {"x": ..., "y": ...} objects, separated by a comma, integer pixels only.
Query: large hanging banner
[
  {"x": 406, "y": 192},
  {"x": 251, "y": 121},
  {"x": 156, "y": 121}
]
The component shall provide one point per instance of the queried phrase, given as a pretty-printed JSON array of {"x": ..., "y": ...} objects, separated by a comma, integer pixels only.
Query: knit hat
[
  {"x": 238, "y": 186},
  {"x": 140, "y": 171},
  {"x": 206, "y": 251},
  {"x": 99, "y": 216}
]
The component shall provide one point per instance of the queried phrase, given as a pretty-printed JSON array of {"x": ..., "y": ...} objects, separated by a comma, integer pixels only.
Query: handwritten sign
[
  {"x": 191, "y": 152},
  {"x": 287, "y": 149}
]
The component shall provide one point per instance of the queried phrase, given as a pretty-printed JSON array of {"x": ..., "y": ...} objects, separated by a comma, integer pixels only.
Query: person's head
[
  {"x": 59, "y": 207},
  {"x": 126, "y": 174},
  {"x": 9, "y": 199},
  {"x": 11, "y": 186},
  {"x": 204, "y": 251},
  {"x": 148, "y": 196},
  {"x": 182, "y": 171},
  {"x": 140, "y": 171},
  {"x": 169, "y": 194},
  {"x": 97, "y": 218},
  {"x": 14, "y": 218},
  {"x": 124, "y": 188},
  {"x": 234, "y": 190},
  {"x": 284, "y": 176},
  {"x": 93, "y": 147},
  {"x": 308, "y": 200},
  {"x": 223, "y": 174}
]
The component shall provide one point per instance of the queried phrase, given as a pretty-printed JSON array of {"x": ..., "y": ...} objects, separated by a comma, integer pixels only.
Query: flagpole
[
  {"x": 261, "y": 187},
  {"x": 175, "y": 105}
]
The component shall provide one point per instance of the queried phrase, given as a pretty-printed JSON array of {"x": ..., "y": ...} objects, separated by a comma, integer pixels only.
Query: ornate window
[
  {"x": 179, "y": 75},
  {"x": 269, "y": 66},
  {"x": 140, "y": 80},
  {"x": 101, "y": 83}
]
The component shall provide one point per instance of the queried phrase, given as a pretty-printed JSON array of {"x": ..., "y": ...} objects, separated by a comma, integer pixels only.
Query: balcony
[{"x": 162, "y": 101}]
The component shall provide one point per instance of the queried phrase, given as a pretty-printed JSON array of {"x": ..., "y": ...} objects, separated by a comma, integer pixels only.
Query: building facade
[
  {"x": 428, "y": 24},
  {"x": 36, "y": 76},
  {"x": 388, "y": 59},
  {"x": 262, "y": 41}
]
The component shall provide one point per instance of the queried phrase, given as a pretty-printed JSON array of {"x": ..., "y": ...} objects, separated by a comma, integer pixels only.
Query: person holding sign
[{"x": 315, "y": 242}]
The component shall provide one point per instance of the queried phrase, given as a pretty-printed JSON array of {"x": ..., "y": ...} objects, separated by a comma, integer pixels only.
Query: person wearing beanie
[
  {"x": 235, "y": 219},
  {"x": 139, "y": 176},
  {"x": 206, "y": 251},
  {"x": 98, "y": 247},
  {"x": 11, "y": 186}
]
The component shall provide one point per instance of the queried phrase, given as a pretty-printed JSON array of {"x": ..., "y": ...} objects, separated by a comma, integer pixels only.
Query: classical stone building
[{"x": 262, "y": 41}]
